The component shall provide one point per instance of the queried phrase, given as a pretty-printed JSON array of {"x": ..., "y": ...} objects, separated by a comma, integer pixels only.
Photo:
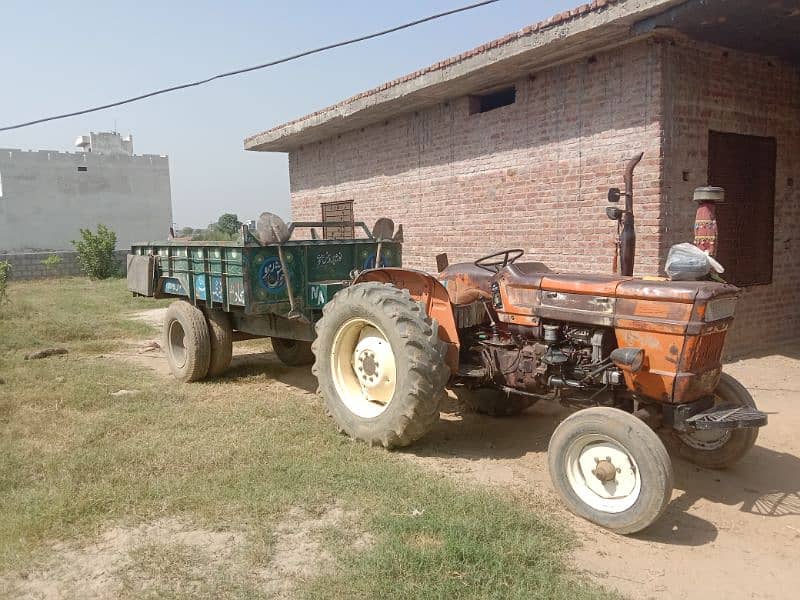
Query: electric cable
[{"x": 279, "y": 61}]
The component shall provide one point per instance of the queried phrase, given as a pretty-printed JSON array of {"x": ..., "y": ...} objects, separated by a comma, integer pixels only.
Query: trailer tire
[
  {"x": 494, "y": 402},
  {"x": 293, "y": 353},
  {"x": 186, "y": 341},
  {"x": 221, "y": 337},
  {"x": 380, "y": 364},
  {"x": 609, "y": 467},
  {"x": 715, "y": 450}
]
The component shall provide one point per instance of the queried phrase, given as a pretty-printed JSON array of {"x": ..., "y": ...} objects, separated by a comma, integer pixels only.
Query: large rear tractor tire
[
  {"x": 186, "y": 341},
  {"x": 494, "y": 402},
  {"x": 221, "y": 336},
  {"x": 720, "y": 449},
  {"x": 293, "y": 353},
  {"x": 610, "y": 468},
  {"x": 380, "y": 364}
]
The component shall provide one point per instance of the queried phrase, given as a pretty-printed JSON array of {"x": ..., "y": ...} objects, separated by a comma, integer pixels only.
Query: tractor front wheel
[
  {"x": 380, "y": 364},
  {"x": 609, "y": 467}
]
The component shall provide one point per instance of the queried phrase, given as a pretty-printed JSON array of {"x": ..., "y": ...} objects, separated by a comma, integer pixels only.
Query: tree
[
  {"x": 187, "y": 231},
  {"x": 229, "y": 224}
]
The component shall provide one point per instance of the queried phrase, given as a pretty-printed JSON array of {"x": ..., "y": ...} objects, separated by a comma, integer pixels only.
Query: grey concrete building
[{"x": 47, "y": 196}]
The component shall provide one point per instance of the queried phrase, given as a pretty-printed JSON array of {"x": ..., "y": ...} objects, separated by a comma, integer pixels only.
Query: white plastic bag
[{"x": 686, "y": 262}]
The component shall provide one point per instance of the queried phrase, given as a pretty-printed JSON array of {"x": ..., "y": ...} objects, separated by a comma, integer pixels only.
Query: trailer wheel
[
  {"x": 609, "y": 467},
  {"x": 186, "y": 341},
  {"x": 720, "y": 449},
  {"x": 221, "y": 337},
  {"x": 293, "y": 353},
  {"x": 380, "y": 364},
  {"x": 494, "y": 402}
]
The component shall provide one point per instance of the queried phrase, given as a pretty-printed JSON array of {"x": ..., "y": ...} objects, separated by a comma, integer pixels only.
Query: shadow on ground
[
  {"x": 267, "y": 365},
  {"x": 766, "y": 483}
]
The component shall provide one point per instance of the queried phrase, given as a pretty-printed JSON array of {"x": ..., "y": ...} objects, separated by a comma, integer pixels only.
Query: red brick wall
[
  {"x": 532, "y": 175},
  {"x": 712, "y": 88}
]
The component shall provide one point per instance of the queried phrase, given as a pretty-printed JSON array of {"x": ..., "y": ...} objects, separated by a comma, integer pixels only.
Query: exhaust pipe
[
  {"x": 625, "y": 247},
  {"x": 627, "y": 235}
]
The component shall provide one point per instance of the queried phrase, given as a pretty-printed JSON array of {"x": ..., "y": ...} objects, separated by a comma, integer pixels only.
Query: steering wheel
[{"x": 494, "y": 262}]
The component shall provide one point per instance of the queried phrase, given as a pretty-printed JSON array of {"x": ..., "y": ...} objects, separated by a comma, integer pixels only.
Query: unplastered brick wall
[
  {"x": 532, "y": 175},
  {"x": 713, "y": 88},
  {"x": 32, "y": 265}
]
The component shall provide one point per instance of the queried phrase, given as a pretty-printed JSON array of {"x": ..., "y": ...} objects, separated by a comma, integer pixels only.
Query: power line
[{"x": 254, "y": 68}]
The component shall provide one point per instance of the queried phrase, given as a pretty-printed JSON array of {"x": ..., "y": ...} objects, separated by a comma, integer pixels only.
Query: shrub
[
  {"x": 5, "y": 275},
  {"x": 52, "y": 261},
  {"x": 96, "y": 252}
]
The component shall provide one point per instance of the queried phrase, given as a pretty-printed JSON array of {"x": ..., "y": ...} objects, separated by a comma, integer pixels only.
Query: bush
[
  {"x": 52, "y": 261},
  {"x": 5, "y": 275},
  {"x": 96, "y": 252}
]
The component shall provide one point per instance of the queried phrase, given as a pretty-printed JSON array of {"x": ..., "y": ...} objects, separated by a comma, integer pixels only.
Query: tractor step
[{"x": 727, "y": 417}]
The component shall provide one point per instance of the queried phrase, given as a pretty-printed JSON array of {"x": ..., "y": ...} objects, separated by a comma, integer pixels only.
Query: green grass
[{"x": 236, "y": 453}]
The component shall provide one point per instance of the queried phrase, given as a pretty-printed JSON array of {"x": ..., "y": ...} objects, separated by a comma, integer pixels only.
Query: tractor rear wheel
[
  {"x": 609, "y": 467},
  {"x": 293, "y": 353},
  {"x": 720, "y": 449},
  {"x": 186, "y": 341},
  {"x": 380, "y": 364}
]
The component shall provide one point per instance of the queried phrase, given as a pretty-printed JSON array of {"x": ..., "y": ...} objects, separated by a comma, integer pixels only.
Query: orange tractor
[{"x": 634, "y": 356}]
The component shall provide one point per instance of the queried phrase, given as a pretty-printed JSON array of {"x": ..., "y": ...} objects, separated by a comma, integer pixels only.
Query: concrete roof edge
[{"x": 558, "y": 28}]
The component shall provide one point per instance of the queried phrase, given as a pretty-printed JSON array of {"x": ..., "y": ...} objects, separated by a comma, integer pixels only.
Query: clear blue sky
[{"x": 61, "y": 56}]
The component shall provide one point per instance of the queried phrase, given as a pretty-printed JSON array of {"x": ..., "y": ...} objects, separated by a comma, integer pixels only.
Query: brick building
[{"x": 515, "y": 143}]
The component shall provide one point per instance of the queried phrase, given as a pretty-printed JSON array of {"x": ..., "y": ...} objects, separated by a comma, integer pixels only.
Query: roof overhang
[
  {"x": 771, "y": 28},
  {"x": 581, "y": 31}
]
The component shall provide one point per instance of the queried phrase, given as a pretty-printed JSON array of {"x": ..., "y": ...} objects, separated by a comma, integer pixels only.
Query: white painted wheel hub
[
  {"x": 364, "y": 369},
  {"x": 602, "y": 473}
]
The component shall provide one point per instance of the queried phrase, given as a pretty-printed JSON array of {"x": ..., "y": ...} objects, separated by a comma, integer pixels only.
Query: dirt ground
[
  {"x": 732, "y": 534},
  {"x": 726, "y": 534}
]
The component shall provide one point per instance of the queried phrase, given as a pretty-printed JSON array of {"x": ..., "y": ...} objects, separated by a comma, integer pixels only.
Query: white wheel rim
[
  {"x": 364, "y": 369},
  {"x": 582, "y": 459}
]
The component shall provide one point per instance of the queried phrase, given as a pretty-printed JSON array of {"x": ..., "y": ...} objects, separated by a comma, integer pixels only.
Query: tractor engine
[{"x": 546, "y": 357}]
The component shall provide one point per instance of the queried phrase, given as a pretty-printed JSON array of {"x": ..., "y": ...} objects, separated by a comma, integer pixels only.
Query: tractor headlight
[
  {"x": 628, "y": 359},
  {"x": 720, "y": 308}
]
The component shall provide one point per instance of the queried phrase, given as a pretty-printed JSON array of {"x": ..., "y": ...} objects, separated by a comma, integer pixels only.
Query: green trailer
[{"x": 228, "y": 291}]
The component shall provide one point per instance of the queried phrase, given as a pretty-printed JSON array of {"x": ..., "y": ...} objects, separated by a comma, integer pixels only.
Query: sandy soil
[{"x": 732, "y": 534}]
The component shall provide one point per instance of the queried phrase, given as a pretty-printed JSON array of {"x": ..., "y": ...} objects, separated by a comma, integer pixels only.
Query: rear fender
[{"x": 432, "y": 295}]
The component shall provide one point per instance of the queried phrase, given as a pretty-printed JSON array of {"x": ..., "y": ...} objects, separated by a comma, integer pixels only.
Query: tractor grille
[{"x": 707, "y": 352}]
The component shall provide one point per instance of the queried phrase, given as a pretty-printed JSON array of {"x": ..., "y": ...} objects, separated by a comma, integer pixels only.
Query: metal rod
[{"x": 293, "y": 312}]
